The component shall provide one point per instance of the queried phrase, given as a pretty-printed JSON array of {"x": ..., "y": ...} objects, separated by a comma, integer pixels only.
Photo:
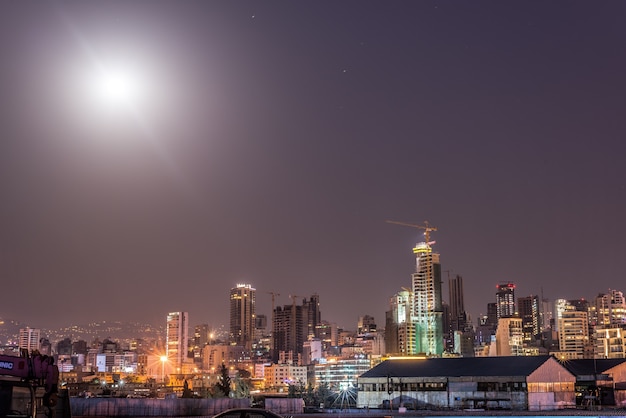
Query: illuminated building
[
  {"x": 573, "y": 332},
  {"x": 328, "y": 333},
  {"x": 312, "y": 351},
  {"x": 610, "y": 343},
  {"x": 366, "y": 324},
  {"x": 278, "y": 377},
  {"x": 528, "y": 308},
  {"x": 509, "y": 338},
  {"x": 399, "y": 328},
  {"x": 546, "y": 315},
  {"x": 177, "y": 339},
  {"x": 29, "y": 339},
  {"x": 341, "y": 373},
  {"x": 610, "y": 309},
  {"x": 242, "y": 315},
  {"x": 505, "y": 300},
  {"x": 427, "y": 307},
  {"x": 200, "y": 339},
  {"x": 214, "y": 355}
]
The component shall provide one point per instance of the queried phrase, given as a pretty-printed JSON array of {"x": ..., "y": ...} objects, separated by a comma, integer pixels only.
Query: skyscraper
[
  {"x": 509, "y": 338},
  {"x": 293, "y": 325},
  {"x": 399, "y": 328},
  {"x": 573, "y": 332},
  {"x": 457, "y": 305},
  {"x": 242, "y": 315},
  {"x": 177, "y": 336},
  {"x": 610, "y": 309},
  {"x": 200, "y": 339},
  {"x": 528, "y": 308},
  {"x": 426, "y": 287},
  {"x": 505, "y": 300}
]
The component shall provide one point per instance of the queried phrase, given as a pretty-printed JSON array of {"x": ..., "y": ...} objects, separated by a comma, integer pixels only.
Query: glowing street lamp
[{"x": 163, "y": 361}]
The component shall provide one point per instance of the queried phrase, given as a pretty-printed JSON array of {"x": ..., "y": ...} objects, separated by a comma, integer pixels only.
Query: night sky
[{"x": 267, "y": 143}]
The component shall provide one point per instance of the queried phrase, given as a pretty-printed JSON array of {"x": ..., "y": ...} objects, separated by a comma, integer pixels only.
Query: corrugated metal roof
[
  {"x": 456, "y": 367},
  {"x": 580, "y": 367}
]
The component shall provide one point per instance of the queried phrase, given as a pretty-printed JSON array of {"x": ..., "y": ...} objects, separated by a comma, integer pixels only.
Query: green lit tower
[
  {"x": 426, "y": 321},
  {"x": 427, "y": 305}
]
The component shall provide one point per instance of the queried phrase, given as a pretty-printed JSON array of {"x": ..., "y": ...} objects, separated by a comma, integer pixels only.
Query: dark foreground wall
[{"x": 130, "y": 407}]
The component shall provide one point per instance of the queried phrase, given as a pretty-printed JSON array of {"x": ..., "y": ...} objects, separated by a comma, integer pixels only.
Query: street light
[{"x": 163, "y": 361}]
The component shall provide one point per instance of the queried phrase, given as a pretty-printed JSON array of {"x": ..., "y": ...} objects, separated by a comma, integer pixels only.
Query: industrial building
[{"x": 515, "y": 383}]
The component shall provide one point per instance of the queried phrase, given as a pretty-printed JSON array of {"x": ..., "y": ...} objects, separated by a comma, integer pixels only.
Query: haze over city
[{"x": 155, "y": 153}]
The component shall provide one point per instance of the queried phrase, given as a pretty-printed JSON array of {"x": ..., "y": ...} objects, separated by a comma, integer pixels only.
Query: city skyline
[
  {"x": 156, "y": 153},
  {"x": 550, "y": 308}
]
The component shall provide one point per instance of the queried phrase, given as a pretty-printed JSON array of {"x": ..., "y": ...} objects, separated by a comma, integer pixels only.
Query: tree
[
  {"x": 323, "y": 395},
  {"x": 296, "y": 390},
  {"x": 309, "y": 396},
  {"x": 242, "y": 388},
  {"x": 223, "y": 382}
]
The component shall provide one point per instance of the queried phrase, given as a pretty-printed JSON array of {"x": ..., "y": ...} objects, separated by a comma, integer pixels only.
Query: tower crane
[
  {"x": 274, "y": 294},
  {"x": 426, "y": 227},
  {"x": 293, "y": 301},
  {"x": 424, "y": 297}
]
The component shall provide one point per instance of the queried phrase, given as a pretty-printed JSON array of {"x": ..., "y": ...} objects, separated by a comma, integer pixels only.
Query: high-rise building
[
  {"x": 505, "y": 300},
  {"x": 573, "y": 331},
  {"x": 610, "y": 343},
  {"x": 528, "y": 308},
  {"x": 64, "y": 347},
  {"x": 546, "y": 315},
  {"x": 366, "y": 324},
  {"x": 242, "y": 315},
  {"x": 200, "y": 339},
  {"x": 427, "y": 306},
  {"x": 460, "y": 329},
  {"x": 609, "y": 310},
  {"x": 177, "y": 339},
  {"x": 313, "y": 316},
  {"x": 399, "y": 328},
  {"x": 508, "y": 339},
  {"x": 201, "y": 335},
  {"x": 457, "y": 305},
  {"x": 293, "y": 325},
  {"x": 29, "y": 339},
  {"x": 260, "y": 325}
]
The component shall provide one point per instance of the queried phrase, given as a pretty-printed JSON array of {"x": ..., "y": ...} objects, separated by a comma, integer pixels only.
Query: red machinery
[{"x": 28, "y": 385}]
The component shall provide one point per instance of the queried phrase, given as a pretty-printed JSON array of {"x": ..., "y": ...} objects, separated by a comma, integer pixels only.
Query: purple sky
[{"x": 271, "y": 141}]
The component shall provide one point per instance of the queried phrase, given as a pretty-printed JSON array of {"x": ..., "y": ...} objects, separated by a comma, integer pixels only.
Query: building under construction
[
  {"x": 292, "y": 326},
  {"x": 427, "y": 307},
  {"x": 424, "y": 327}
]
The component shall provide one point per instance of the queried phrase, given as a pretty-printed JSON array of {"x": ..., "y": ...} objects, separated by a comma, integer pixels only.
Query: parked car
[{"x": 247, "y": 413}]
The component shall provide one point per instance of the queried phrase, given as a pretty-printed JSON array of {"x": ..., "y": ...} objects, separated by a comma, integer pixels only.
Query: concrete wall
[
  {"x": 149, "y": 407},
  {"x": 285, "y": 406}
]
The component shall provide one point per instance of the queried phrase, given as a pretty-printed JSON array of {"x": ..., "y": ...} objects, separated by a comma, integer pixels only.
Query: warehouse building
[{"x": 515, "y": 383}]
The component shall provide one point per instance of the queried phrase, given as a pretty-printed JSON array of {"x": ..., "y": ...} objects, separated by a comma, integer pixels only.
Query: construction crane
[
  {"x": 426, "y": 227},
  {"x": 293, "y": 300},
  {"x": 274, "y": 294},
  {"x": 423, "y": 292}
]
